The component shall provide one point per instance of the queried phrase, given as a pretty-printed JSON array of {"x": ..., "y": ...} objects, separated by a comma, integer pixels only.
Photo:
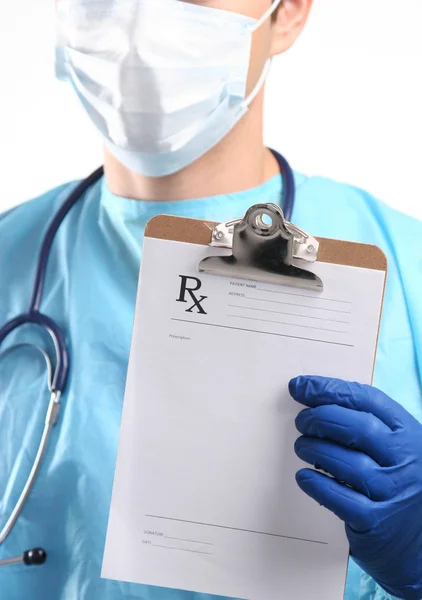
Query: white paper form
[{"x": 204, "y": 496}]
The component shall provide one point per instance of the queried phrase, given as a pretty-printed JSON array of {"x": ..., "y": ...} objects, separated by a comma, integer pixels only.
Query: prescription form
[{"x": 204, "y": 496}]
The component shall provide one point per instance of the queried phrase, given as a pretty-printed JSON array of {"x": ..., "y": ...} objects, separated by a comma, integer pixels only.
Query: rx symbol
[{"x": 189, "y": 285}]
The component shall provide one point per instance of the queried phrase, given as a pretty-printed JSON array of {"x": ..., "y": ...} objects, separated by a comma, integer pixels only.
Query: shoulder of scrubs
[
  {"x": 22, "y": 229},
  {"x": 329, "y": 209},
  {"x": 347, "y": 212},
  {"x": 325, "y": 202},
  {"x": 30, "y": 219}
]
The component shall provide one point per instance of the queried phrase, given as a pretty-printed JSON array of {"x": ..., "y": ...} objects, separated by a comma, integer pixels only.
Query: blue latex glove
[{"x": 364, "y": 439}]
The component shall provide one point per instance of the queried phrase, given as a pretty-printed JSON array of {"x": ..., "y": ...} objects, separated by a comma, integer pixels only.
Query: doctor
[{"x": 176, "y": 92}]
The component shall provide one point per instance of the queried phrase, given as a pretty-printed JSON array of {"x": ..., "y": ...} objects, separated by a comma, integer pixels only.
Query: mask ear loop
[
  {"x": 266, "y": 70},
  {"x": 260, "y": 84},
  {"x": 266, "y": 15}
]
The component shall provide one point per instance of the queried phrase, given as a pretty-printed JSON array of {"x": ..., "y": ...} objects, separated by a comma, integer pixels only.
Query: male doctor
[{"x": 175, "y": 89}]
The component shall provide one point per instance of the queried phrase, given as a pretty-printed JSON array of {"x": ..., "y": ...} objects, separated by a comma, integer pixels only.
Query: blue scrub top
[{"x": 90, "y": 291}]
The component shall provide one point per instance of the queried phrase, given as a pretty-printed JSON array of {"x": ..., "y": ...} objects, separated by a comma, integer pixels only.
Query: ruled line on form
[
  {"x": 279, "y": 312},
  {"x": 345, "y": 312},
  {"x": 289, "y": 324},
  {"x": 303, "y": 296},
  {"x": 277, "y": 535},
  {"x": 297, "y": 337}
]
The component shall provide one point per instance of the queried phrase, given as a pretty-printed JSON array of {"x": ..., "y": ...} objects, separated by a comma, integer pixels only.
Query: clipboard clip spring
[
  {"x": 264, "y": 250},
  {"x": 305, "y": 247}
]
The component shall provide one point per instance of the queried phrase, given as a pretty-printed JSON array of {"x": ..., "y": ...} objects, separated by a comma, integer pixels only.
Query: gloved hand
[{"x": 372, "y": 447}]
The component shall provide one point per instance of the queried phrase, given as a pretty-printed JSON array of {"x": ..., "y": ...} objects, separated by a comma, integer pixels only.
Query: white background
[{"x": 346, "y": 102}]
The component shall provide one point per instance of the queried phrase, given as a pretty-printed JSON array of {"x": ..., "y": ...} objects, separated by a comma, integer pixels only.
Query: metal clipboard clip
[{"x": 264, "y": 250}]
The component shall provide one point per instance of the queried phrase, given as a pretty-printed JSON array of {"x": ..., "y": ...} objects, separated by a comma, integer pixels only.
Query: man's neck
[{"x": 238, "y": 163}]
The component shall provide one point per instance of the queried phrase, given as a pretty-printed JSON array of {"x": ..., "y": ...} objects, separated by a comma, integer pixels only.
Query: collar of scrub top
[{"x": 57, "y": 377}]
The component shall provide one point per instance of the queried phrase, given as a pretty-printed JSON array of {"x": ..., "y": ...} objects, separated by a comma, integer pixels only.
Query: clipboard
[{"x": 204, "y": 496}]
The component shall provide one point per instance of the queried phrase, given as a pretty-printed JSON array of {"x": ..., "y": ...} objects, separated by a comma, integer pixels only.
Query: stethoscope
[{"x": 57, "y": 377}]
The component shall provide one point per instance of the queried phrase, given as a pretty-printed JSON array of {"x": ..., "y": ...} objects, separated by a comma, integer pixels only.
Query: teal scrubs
[{"x": 90, "y": 291}]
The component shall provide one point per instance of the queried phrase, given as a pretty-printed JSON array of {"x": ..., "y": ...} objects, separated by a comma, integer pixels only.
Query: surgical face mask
[{"x": 164, "y": 81}]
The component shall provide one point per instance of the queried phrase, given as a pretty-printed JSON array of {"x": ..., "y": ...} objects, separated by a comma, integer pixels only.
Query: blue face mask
[{"x": 163, "y": 81}]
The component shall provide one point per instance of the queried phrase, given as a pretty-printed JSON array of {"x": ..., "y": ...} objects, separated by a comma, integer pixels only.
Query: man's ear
[{"x": 288, "y": 22}]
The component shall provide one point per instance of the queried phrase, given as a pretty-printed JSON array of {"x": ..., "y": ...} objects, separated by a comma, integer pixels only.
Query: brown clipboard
[
  {"x": 333, "y": 251},
  {"x": 198, "y": 231}
]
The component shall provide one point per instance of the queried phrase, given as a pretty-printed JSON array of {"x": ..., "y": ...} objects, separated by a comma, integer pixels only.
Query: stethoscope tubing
[{"x": 58, "y": 381}]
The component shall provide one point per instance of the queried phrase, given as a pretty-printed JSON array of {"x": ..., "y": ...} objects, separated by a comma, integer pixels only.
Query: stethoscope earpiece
[
  {"x": 34, "y": 557},
  {"x": 37, "y": 556}
]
